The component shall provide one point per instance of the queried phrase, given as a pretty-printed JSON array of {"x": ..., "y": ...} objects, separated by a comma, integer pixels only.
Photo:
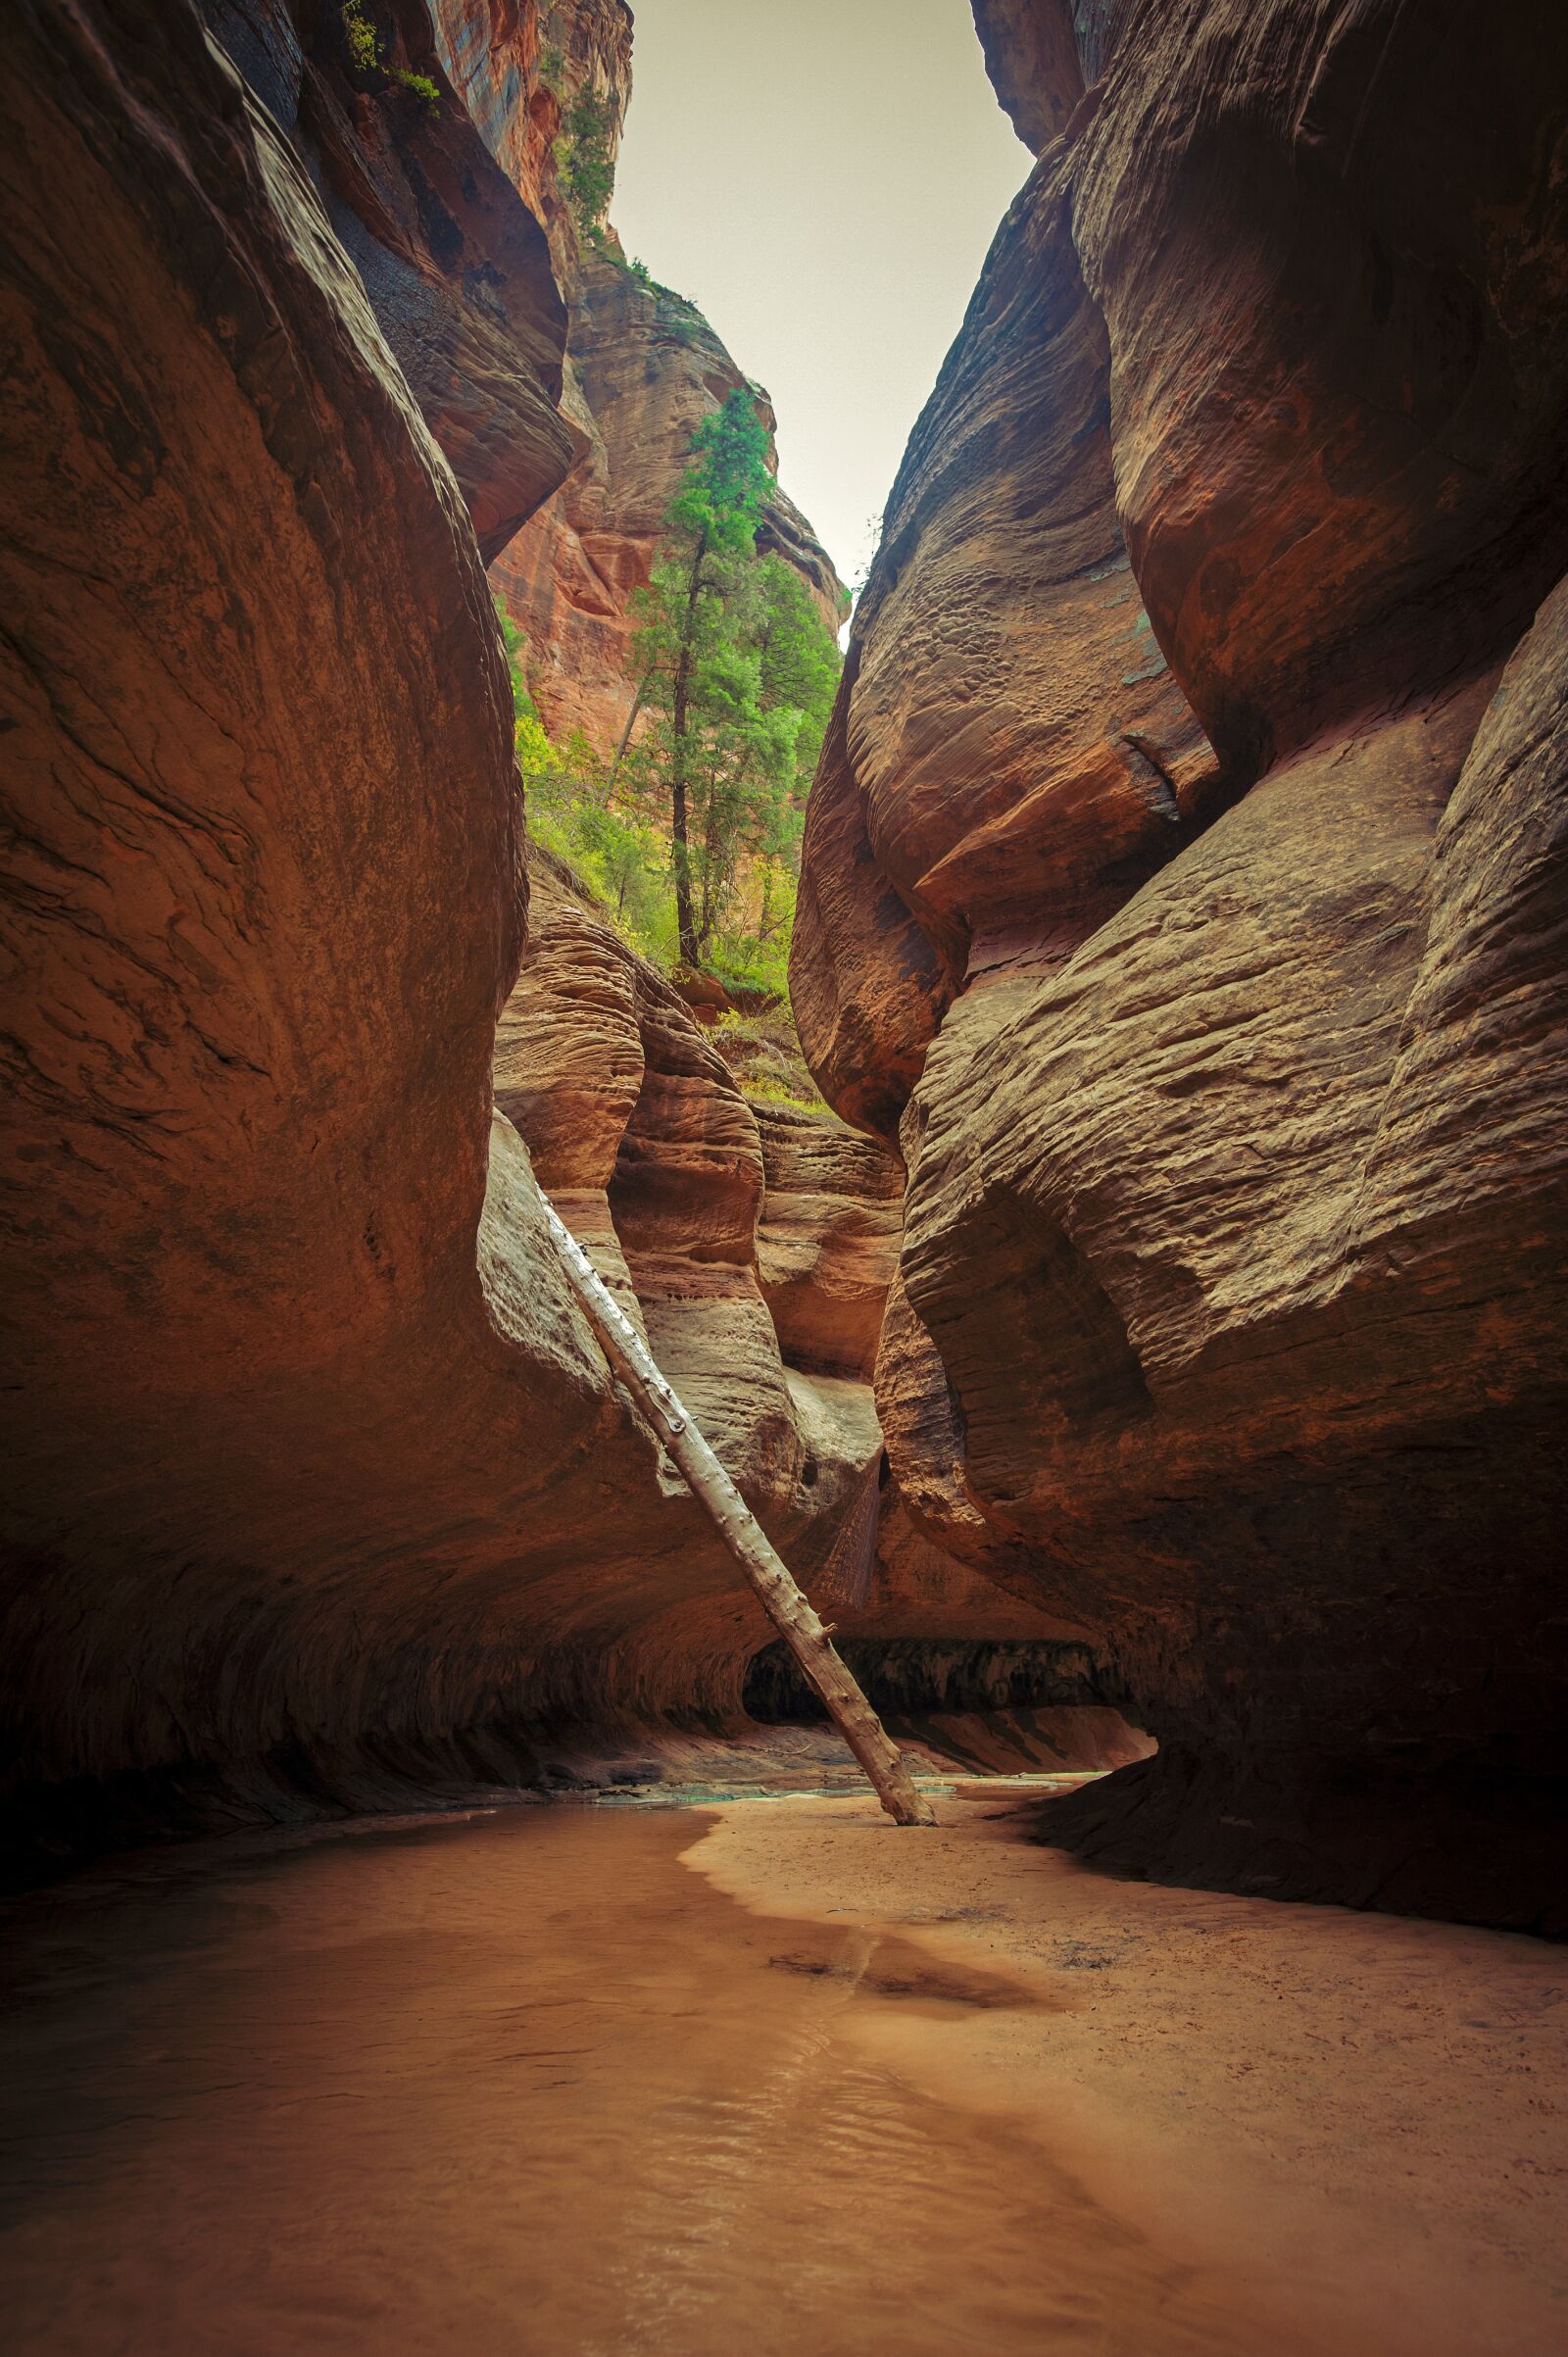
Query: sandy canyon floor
[
  {"x": 1350, "y": 2128},
  {"x": 586, "y": 2082}
]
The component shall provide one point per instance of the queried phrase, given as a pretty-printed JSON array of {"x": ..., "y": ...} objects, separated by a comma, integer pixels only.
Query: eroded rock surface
[
  {"x": 828, "y": 1241},
  {"x": 1229, "y": 1312},
  {"x": 455, "y": 261},
  {"x": 317, "y": 1487},
  {"x": 1013, "y": 753},
  {"x": 753, "y": 1244}
]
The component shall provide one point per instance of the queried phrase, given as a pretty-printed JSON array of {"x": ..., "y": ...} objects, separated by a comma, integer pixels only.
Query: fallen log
[{"x": 790, "y": 1611}]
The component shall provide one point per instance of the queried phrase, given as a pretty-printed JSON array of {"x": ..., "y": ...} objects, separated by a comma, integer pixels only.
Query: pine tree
[{"x": 738, "y": 672}]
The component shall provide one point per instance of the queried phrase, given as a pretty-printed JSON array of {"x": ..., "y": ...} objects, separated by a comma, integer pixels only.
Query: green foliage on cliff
[
  {"x": 737, "y": 674},
  {"x": 690, "y": 835},
  {"x": 575, "y": 811},
  {"x": 364, "y": 42},
  {"x": 584, "y": 162},
  {"x": 366, "y": 47}
]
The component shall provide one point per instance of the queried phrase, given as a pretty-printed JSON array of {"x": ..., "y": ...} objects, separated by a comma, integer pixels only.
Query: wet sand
[
  {"x": 523, "y": 2084},
  {"x": 526, "y": 2086},
  {"x": 1352, "y": 2122}
]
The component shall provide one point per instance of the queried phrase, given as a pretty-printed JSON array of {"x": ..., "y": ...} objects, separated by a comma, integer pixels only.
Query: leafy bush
[
  {"x": 420, "y": 85},
  {"x": 366, "y": 44},
  {"x": 366, "y": 47},
  {"x": 764, "y": 1052},
  {"x": 583, "y": 161}
]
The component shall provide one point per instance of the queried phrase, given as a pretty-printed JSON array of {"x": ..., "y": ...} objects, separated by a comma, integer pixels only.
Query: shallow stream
[{"x": 522, "y": 2083}]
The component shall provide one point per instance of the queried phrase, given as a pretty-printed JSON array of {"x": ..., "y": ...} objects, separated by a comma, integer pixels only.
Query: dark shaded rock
[{"x": 456, "y": 265}]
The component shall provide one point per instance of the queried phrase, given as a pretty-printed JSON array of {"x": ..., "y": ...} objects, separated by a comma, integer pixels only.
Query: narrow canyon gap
[{"x": 1123, "y": 1274}]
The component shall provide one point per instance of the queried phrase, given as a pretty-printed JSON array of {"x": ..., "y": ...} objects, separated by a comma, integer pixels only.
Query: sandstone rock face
[
  {"x": 828, "y": 1241},
  {"x": 1036, "y": 54},
  {"x": 456, "y": 263},
  {"x": 643, "y": 370},
  {"x": 1230, "y": 1311},
  {"x": 317, "y": 1483},
  {"x": 753, "y": 1245},
  {"x": 320, "y": 1493},
  {"x": 1015, "y": 753}
]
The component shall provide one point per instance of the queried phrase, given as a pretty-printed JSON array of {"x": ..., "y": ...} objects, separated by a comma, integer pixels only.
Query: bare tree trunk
[
  {"x": 790, "y": 1611},
  {"x": 681, "y": 858},
  {"x": 625, "y": 736}
]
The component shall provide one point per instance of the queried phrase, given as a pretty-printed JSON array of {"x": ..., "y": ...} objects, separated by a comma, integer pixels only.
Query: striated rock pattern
[
  {"x": 1015, "y": 755},
  {"x": 828, "y": 1241},
  {"x": 456, "y": 265},
  {"x": 1230, "y": 1314},
  {"x": 644, "y": 369},
  {"x": 318, "y": 1485},
  {"x": 753, "y": 1244}
]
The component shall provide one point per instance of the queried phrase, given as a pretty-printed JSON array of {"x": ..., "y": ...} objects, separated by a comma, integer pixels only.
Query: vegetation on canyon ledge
[
  {"x": 690, "y": 835},
  {"x": 585, "y": 163},
  {"x": 367, "y": 45}
]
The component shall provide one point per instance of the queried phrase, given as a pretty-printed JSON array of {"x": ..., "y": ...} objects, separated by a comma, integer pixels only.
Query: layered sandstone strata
[
  {"x": 1184, "y": 878},
  {"x": 456, "y": 267},
  {"x": 316, "y": 1481},
  {"x": 753, "y": 1243},
  {"x": 828, "y": 1238}
]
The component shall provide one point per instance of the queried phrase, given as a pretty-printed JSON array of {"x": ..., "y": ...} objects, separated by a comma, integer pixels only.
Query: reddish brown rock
[
  {"x": 828, "y": 1243},
  {"x": 753, "y": 1243},
  {"x": 318, "y": 1482},
  {"x": 1231, "y": 1316},
  {"x": 1015, "y": 755},
  {"x": 456, "y": 263},
  {"x": 321, "y": 1496},
  {"x": 866, "y": 986},
  {"x": 496, "y": 53},
  {"x": 1337, "y": 390}
]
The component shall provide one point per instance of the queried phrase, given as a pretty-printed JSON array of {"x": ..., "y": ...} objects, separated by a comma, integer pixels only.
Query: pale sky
[{"x": 823, "y": 177}]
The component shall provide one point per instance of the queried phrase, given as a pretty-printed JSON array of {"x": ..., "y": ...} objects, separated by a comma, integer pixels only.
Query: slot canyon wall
[
  {"x": 320, "y": 1495},
  {"x": 643, "y": 367},
  {"x": 1184, "y": 890}
]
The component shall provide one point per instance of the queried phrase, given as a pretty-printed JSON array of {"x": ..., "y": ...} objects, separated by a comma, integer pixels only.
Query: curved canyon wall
[
  {"x": 1184, "y": 888},
  {"x": 319, "y": 1494}
]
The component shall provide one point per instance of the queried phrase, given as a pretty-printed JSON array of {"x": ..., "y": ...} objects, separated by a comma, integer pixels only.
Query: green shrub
[
  {"x": 583, "y": 161},
  {"x": 365, "y": 43},
  {"x": 420, "y": 85}
]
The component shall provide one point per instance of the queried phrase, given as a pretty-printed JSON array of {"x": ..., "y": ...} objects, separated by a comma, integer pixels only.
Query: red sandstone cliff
[
  {"x": 458, "y": 271},
  {"x": 1185, "y": 885},
  {"x": 643, "y": 370}
]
